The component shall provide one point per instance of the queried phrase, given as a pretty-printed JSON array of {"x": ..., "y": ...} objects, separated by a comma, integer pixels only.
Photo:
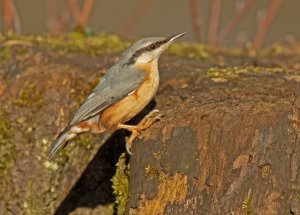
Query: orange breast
[{"x": 132, "y": 104}]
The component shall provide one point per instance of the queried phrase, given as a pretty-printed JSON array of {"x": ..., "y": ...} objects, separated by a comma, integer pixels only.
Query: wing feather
[{"x": 118, "y": 82}]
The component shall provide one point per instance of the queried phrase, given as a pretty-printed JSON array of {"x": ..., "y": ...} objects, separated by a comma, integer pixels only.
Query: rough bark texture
[
  {"x": 225, "y": 131},
  {"x": 220, "y": 139},
  {"x": 224, "y": 148}
]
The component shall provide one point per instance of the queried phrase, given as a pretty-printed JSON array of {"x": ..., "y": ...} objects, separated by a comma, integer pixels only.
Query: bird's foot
[
  {"x": 146, "y": 122},
  {"x": 149, "y": 119},
  {"x": 129, "y": 142}
]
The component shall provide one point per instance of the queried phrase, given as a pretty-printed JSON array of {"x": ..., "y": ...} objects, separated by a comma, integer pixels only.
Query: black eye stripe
[
  {"x": 157, "y": 44},
  {"x": 146, "y": 49}
]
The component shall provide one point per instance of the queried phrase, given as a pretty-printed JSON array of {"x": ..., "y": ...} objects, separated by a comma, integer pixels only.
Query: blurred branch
[
  {"x": 62, "y": 21},
  {"x": 194, "y": 18},
  {"x": 73, "y": 8},
  {"x": 85, "y": 13},
  {"x": 135, "y": 16},
  {"x": 10, "y": 16},
  {"x": 241, "y": 10},
  {"x": 7, "y": 15},
  {"x": 213, "y": 21},
  {"x": 265, "y": 22},
  {"x": 51, "y": 15},
  {"x": 65, "y": 16},
  {"x": 17, "y": 23}
]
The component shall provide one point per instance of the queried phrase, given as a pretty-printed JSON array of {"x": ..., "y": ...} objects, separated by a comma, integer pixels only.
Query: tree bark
[
  {"x": 228, "y": 141},
  {"x": 225, "y": 146}
]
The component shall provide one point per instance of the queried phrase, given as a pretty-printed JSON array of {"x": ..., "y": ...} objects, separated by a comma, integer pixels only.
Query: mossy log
[
  {"x": 227, "y": 142},
  {"x": 215, "y": 145}
]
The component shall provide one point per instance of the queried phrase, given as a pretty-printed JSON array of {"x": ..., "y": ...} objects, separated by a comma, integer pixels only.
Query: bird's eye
[{"x": 152, "y": 47}]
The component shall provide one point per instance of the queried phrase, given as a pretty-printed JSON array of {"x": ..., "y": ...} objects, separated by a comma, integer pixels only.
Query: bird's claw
[
  {"x": 128, "y": 149},
  {"x": 149, "y": 119},
  {"x": 129, "y": 142}
]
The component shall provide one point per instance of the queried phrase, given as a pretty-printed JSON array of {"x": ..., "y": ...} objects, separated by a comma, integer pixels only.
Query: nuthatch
[{"x": 126, "y": 88}]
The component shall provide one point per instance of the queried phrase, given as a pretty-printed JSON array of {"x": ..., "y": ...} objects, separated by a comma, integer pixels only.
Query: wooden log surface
[
  {"x": 227, "y": 142},
  {"x": 217, "y": 143}
]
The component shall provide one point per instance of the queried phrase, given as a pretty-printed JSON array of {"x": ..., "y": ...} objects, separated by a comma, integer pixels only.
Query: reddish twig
[
  {"x": 265, "y": 23},
  {"x": 8, "y": 15},
  {"x": 194, "y": 18},
  {"x": 74, "y": 8},
  {"x": 85, "y": 13},
  {"x": 240, "y": 11},
  {"x": 133, "y": 19},
  {"x": 52, "y": 15},
  {"x": 63, "y": 19},
  {"x": 213, "y": 21},
  {"x": 16, "y": 18}
]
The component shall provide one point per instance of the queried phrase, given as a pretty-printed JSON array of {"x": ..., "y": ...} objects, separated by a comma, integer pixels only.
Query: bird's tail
[{"x": 60, "y": 142}]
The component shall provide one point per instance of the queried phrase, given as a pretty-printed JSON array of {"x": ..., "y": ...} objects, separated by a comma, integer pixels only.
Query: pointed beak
[{"x": 174, "y": 37}]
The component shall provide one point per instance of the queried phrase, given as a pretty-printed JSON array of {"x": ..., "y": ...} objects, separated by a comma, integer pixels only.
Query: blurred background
[{"x": 227, "y": 23}]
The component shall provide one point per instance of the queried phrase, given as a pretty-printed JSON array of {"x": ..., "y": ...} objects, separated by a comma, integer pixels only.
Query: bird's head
[{"x": 148, "y": 49}]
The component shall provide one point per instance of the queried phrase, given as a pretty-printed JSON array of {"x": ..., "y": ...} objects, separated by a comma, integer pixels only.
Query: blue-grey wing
[{"x": 118, "y": 82}]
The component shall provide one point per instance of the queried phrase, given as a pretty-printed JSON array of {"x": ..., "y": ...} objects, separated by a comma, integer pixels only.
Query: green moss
[
  {"x": 235, "y": 72},
  {"x": 7, "y": 149},
  {"x": 189, "y": 50},
  {"x": 64, "y": 154},
  {"x": 85, "y": 141},
  {"x": 120, "y": 185},
  {"x": 28, "y": 96},
  {"x": 73, "y": 42},
  {"x": 4, "y": 55},
  {"x": 246, "y": 203},
  {"x": 96, "y": 45},
  {"x": 298, "y": 195},
  {"x": 8, "y": 156},
  {"x": 272, "y": 51},
  {"x": 5, "y": 133},
  {"x": 151, "y": 172}
]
